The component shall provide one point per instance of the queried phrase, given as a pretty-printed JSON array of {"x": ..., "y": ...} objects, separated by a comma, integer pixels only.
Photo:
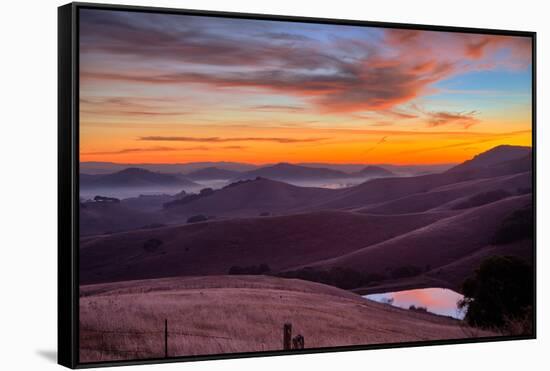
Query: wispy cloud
[
  {"x": 465, "y": 119},
  {"x": 348, "y": 74},
  {"x": 131, "y": 150},
  {"x": 156, "y": 138},
  {"x": 380, "y": 141}
]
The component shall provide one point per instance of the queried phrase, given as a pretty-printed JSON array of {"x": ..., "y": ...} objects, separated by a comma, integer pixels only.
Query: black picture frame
[{"x": 68, "y": 180}]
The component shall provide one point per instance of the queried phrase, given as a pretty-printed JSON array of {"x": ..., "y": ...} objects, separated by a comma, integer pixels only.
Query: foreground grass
[{"x": 232, "y": 314}]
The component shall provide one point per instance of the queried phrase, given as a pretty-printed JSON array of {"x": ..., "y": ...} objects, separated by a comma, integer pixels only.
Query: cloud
[
  {"x": 442, "y": 118},
  {"x": 342, "y": 74},
  {"x": 131, "y": 150},
  {"x": 273, "y": 107},
  {"x": 380, "y": 141},
  {"x": 465, "y": 119},
  {"x": 130, "y": 106},
  {"x": 156, "y": 138}
]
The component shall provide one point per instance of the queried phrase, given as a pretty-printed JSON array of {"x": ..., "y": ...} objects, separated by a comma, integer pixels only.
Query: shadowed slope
[
  {"x": 435, "y": 245},
  {"x": 442, "y": 197},
  {"x": 214, "y": 247}
]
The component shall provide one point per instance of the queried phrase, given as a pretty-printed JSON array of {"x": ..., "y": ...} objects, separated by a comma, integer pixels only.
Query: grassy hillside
[
  {"x": 228, "y": 314},
  {"x": 213, "y": 247}
]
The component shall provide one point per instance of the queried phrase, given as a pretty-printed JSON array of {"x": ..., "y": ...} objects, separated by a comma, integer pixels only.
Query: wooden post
[
  {"x": 298, "y": 342},
  {"x": 165, "y": 338},
  {"x": 287, "y": 336}
]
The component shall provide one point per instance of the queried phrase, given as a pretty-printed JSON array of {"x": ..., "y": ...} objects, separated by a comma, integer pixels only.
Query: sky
[{"x": 165, "y": 88}]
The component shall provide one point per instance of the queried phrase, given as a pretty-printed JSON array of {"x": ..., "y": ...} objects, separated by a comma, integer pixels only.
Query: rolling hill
[
  {"x": 285, "y": 171},
  {"x": 104, "y": 217},
  {"x": 374, "y": 171},
  {"x": 213, "y": 247},
  {"x": 134, "y": 177},
  {"x": 437, "y": 244},
  {"x": 212, "y": 173},
  {"x": 251, "y": 198},
  {"x": 494, "y": 156}
]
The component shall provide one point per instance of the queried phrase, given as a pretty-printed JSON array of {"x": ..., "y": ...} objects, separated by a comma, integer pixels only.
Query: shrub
[
  {"x": 152, "y": 245},
  {"x": 197, "y": 218},
  {"x": 182, "y": 200},
  {"x": 206, "y": 192},
  {"x": 499, "y": 293},
  {"x": 420, "y": 309}
]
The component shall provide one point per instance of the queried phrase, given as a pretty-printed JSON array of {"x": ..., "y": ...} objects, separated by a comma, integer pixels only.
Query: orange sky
[{"x": 182, "y": 89}]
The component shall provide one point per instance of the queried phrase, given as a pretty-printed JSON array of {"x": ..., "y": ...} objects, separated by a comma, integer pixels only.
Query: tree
[{"x": 500, "y": 291}]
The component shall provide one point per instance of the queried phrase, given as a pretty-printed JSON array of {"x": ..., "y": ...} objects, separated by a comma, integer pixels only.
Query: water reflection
[{"x": 435, "y": 300}]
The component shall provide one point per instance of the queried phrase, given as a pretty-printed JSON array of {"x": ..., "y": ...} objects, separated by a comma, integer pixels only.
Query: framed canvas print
[{"x": 235, "y": 185}]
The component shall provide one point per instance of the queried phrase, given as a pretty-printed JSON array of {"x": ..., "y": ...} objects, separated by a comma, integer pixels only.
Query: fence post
[
  {"x": 287, "y": 336},
  {"x": 165, "y": 338},
  {"x": 298, "y": 342}
]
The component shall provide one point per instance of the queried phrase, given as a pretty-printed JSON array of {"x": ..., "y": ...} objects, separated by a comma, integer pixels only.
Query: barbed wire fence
[{"x": 106, "y": 346}]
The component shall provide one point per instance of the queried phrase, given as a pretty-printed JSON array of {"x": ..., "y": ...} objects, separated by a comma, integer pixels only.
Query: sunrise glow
[{"x": 174, "y": 89}]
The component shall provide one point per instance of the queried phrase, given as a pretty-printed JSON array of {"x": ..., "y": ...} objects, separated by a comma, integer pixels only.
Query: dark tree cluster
[
  {"x": 205, "y": 192},
  {"x": 239, "y": 182},
  {"x": 500, "y": 293},
  {"x": 419, "y": 309}
]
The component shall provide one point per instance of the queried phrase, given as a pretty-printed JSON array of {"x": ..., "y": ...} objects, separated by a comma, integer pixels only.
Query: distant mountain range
[
  {"x": 189, "y": 168},
  {"x": 285, "y": 171},
  {"x": 212, "y": 173},
  {"x": 263, "y": 194},
  {"x": 374, "y": 171},
  {"x": 134, "y": 177}
]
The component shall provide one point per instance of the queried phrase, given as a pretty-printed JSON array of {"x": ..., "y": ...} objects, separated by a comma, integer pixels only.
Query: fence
[{"x": 289, "y": 342}]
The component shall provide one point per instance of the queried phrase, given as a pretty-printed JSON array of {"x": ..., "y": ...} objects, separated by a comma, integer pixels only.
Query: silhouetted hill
[
  {"x": 134, "y": 177},
  {"x": 285, "y": 171},
  {"x": 251, "y": 198},
  {"x": 95, "y": 167},
  {"x": 375, "y": 171},
  {"x": 212, "y": 173},
  {"x": 514, "y": 160},
  {"x": 495, "y": 156},
  {"x": 104, "y": 217}
]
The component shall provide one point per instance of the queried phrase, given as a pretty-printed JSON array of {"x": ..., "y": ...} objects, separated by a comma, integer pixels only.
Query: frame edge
[{"x": 67, "y": 352}]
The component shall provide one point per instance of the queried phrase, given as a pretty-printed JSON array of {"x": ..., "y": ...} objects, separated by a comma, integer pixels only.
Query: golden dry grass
[{"x": 231, "y": 314}]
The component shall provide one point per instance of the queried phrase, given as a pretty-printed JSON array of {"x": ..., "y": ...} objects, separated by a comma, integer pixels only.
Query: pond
[{"x": 435, "y": 300}]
